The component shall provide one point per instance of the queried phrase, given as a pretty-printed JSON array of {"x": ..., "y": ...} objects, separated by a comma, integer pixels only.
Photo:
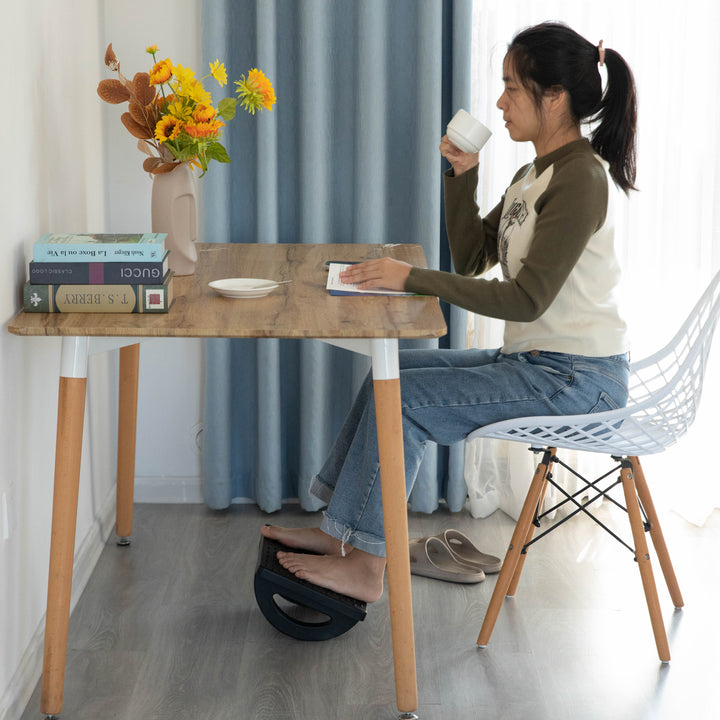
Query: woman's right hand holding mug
[{"x": 461, "y": 161}]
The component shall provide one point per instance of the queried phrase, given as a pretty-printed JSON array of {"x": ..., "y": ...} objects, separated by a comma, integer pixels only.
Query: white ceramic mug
[{"x": 467, "y": 133}]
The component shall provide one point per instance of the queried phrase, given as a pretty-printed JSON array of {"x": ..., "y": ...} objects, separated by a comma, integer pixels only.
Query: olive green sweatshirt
[{"x": 552, "y": 234}]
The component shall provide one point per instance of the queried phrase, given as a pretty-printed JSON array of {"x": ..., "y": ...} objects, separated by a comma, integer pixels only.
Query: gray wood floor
[{"x": 168, "y": 628}]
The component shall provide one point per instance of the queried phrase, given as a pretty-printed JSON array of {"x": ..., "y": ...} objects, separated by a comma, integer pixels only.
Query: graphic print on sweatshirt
[{"x": 513, "y": 218}]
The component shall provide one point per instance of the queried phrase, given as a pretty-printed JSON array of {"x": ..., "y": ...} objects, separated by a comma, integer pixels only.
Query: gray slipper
[
  {"x": 462, "y": 549},
  {"x": 431, "y": 558}
]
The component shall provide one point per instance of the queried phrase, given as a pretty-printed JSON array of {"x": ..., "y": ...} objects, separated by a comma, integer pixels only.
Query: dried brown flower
[
  {"x": 156, "y": 166},
  {"x": 110, "y": 59},
  {"x": 144, "y": 91},
  {"x": 165, "y": 168},
  {"x": 144, "y": 116},
  {"x": 113, "y": 91},
  {"x": 150, "y": 163},
  {"x": 135, "y": 128}
]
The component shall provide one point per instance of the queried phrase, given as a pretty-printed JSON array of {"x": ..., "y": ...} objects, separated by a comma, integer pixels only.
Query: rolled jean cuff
[
  {"x": 321, "y": 490},
  {"x": 359, "y": 540}
]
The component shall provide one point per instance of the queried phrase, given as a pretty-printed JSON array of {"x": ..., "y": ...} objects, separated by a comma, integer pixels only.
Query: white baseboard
[
  {"x": 22, "y": 685},
  {"x": 168, "y": 490}
]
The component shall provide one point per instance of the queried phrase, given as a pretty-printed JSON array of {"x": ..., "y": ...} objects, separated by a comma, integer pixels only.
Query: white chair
[{"x": 665, "y": 391}]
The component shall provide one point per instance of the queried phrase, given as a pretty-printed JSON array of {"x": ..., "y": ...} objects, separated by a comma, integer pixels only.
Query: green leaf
[
  {"x": 226, "y": 108},
  {"x": 186, "y": 153},
  {"x": 215, "y": 151}
]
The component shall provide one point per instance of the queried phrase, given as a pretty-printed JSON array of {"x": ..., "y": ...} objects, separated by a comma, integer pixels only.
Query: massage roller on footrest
[{"x": 312, "y": 612}]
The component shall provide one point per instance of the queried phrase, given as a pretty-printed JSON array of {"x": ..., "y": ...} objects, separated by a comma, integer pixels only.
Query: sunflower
[
  {"x": 204, "y": 129},
  {"x": 256, "y": 91},
  {"x": 203, "y": 113},
  {"x": 161, "y": 72},
  {"x": 167, "y": 128}
]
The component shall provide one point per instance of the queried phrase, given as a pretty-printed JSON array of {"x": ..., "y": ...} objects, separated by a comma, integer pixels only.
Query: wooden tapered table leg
[
  {"x": 127, "y": 434},
  {"x": 388, "y": 411},
  {"x": 68, "y": 451}
]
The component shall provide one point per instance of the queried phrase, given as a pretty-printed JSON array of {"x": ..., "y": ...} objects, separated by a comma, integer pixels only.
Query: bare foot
[
  {"x": 312, "y": 539},
  {"x": 359, "y": 575}
]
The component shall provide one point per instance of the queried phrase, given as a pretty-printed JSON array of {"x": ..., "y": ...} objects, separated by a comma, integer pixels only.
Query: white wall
[
  {"x": 69, "y": 165},
  {"x": 171, "y": 371}
]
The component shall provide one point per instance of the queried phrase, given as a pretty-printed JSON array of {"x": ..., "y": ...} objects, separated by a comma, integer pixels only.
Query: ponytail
[
  {"x": 614, "y": 137},
  {"x": 550, "y": 55}
]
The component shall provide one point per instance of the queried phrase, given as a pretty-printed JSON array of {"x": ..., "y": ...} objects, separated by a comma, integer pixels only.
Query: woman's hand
[
  {"x": 460, "y": 161},
  {"x": 382, "y": 273}
]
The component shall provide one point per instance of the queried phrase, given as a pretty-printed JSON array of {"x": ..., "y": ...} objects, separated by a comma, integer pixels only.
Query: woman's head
[{"x": 552, "y": 57}]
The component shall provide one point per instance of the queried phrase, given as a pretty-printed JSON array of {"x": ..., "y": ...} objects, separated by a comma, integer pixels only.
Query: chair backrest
[
  {"x": 666, "y": 387},
  {"x": 664, "y": 394}
]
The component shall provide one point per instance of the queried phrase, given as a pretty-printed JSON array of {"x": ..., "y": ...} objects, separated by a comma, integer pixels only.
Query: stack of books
[{"x": 109, "y": 273}]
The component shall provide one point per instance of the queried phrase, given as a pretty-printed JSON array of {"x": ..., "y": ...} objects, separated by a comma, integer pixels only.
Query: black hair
[{"x": 552, "y": 55}]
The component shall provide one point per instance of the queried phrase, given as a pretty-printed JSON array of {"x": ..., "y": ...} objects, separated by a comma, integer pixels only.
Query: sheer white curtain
[{"x": 668, "y": 234}]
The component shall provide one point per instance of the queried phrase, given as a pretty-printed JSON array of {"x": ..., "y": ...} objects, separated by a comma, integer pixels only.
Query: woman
[{"x": 565, "y": 345}]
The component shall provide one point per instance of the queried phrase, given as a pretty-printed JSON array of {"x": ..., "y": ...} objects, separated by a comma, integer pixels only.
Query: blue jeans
[{"x": 445, "y": 395}]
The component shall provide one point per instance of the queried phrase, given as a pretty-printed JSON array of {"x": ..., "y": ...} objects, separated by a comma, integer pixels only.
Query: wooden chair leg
[
  {"x": 656, "y": 533},
  {"x": 512, "y": 589},
  {"x": 512, "y": 556},
  {"x": 643, "y": 559}
]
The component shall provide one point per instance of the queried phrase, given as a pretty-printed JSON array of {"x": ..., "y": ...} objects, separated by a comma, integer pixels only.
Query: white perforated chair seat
[{"x": 664, "y": 393}]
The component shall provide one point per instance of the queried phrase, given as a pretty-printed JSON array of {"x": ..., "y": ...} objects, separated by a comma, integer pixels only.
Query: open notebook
[{"x": 337, "y": 287}]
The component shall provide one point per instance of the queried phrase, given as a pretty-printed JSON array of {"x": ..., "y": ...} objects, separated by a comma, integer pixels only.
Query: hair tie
[{"x": 601, "y": 53}]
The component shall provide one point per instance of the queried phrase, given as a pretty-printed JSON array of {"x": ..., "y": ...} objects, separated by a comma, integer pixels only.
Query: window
[{"x": 668, "y": 233}]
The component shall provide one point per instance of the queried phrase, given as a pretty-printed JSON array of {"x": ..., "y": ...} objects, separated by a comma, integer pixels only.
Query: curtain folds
[{"x": 349, "y": 155}]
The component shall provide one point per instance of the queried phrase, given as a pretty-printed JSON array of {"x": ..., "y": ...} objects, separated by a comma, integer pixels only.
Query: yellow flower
[
  {"x": 198, "y": 94},
  {"x": 217, "y": 70},
  {"x": 184, "y": 76},
  {"x": 204, "y": 129},
  {"x": 161, "y": 72},
  {"x": 167, "y": 128},
  {"x": 179, "y": 110},
  {"x": 180, "y": 118},
  {"x": 256, "y": 91},
  {"x": 203, "y": 113}
]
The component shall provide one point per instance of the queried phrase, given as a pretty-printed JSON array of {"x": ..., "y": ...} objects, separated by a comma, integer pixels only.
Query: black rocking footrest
[{"x": 317, "y": 613}]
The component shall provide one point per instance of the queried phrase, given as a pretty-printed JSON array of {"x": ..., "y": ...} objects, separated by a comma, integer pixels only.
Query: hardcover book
[
  {"x": 102, "y": 247},
  {"x": 99, "y": 273},
  {"x": 125, "y": 298}
]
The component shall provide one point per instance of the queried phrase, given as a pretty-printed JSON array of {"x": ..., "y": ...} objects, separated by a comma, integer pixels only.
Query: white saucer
[{"x": 243, "y": 287}]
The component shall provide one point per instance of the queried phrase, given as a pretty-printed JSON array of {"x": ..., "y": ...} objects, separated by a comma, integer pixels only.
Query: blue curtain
[{"x": 349, "y": 155}]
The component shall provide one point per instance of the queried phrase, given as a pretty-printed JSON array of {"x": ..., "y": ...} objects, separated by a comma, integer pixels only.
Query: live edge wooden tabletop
[{"x": 300, "y": 309}]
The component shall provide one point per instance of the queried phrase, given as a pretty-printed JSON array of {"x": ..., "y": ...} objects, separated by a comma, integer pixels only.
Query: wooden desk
[{"x": 300, "y": 309}]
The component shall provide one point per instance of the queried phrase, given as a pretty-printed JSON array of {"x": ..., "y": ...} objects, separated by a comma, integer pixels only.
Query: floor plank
[{"x": 168, "y": 629}]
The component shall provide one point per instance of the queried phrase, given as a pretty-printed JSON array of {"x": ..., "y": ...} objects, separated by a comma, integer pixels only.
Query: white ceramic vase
[{"x": 174, "y": 211}]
